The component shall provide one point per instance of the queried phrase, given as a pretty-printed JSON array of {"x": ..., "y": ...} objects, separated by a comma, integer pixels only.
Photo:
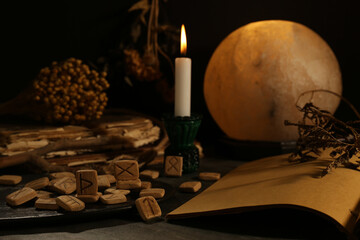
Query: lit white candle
[{"x": 182, "y": 80}]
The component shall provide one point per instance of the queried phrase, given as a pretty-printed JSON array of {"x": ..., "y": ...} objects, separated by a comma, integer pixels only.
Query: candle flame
[{"x": 183, "y": 44}]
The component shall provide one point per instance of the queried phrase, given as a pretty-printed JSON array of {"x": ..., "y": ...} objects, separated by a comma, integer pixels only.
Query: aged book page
[{"x": 274, "y": 182}]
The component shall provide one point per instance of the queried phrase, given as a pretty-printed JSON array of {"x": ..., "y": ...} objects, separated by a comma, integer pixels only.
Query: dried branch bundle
[{"x": 319, "y": 130}]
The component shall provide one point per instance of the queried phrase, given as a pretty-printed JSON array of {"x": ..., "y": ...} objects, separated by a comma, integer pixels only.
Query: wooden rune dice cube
[
  {"x": 126, "y": 170},
  {"x": 173, "y": 166},
  {"x": 86, "y": 182}
]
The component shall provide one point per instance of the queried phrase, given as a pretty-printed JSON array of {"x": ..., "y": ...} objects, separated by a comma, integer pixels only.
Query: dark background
[{"x": 36, "y": 33}]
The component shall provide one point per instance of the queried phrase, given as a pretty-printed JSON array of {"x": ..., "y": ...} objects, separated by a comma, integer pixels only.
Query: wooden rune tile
[
  {"x": 44, "y": 194},
  {"x": 191, "y": 186},
  {"x": 111, "y": 178},
  {"x": 61, "y": 175},
  {"x": 10, "y": 179},
  {"x": 53, "y": 181},
  {"x": 114, "y": 190},
  {"x": 128, "y": 184},
  {"x": 70, "y": 203},
  {"x": 103, "y": 182},
  {"x": 113, "y": 198},
  {"x": 20, "y": 196},
  {"x": 86, "y": 182},
  {"x": 65, "y": 185},
  {"x": 149, "y": 174},
  {"x": 209, "y": 176},
  {"x": 173, "y": 166},
  {"x": 145, "y": 185},
  {"x": 46, "y": 203},
  {"x": 126, "y": 170},
  {"x": 155, "y": 192},
  {"x": 89, "y": 198},
  {"x": 148, "y": 208},
  {"x": 38, "y": 183}
]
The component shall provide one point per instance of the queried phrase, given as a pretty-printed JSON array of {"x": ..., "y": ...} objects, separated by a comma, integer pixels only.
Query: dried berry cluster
[
  {"x": 320, "y": 130},
  {"x": 71, "y": 91}
]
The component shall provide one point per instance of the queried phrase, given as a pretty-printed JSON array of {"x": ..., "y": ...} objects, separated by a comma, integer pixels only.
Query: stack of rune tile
[
  {"x": 127, "y": 177},
  {"x": 87, "y": 186}
]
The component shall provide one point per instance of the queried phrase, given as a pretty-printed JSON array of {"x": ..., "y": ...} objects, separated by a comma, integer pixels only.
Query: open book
[{"x": 275, "y": 182}]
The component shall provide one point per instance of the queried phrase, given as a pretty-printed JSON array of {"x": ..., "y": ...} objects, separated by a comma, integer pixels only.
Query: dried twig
[{"x": 319, "y": 130}]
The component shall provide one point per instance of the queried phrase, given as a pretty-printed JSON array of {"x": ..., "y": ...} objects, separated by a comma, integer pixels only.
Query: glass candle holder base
[{"x": 182, "y": 132}]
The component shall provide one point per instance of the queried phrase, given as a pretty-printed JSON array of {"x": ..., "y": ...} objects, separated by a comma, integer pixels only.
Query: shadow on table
[{"x": 270, "y": 223}]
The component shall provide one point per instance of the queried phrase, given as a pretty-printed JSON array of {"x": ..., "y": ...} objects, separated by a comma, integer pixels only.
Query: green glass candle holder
[{"x": 182, "y": 132}]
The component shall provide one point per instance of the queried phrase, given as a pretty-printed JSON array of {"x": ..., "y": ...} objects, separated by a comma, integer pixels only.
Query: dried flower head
[
  {"x": 144, "y": 68},
  {"x": 71, "y": 91}
]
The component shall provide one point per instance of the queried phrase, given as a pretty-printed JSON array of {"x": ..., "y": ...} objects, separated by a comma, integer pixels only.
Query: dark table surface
[{"x": 269, "y": 224}]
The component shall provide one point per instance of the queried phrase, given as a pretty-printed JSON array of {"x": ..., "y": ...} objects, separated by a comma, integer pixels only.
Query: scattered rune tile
[
  {"x": 46, "y": 203},
  {"x": 38, "y": 183},
  {"x": 61, "y": 175},
  {"x": 53, "y": 181},
  {"x": 149, "y": 174},
  {"x": 114, "y": 190},
  {"x": 65, "y": 185},
  {"x": 126, "y": 170},
  {"x": 191, "y": 186},
  {"x": 86, "y": 182},
  {"x": 128, "y": 184},
  {"x": 20, "y": 196},
  {"x": 70, "y": 203},
  {"x": 111, "y": 178},
  {"x": 103, "y": 182},
  {"x": 145, "y": 184},
  {"x": 89, "y": 198},
  {"x": 148, "y": 208},
  {"x": 10, "y": 179},
  {"x": 155, "y": 192},
  {"x": 173, "y": 166},
  {"x": 44, "y": 194},
  {"x": 209, "y": 176},
  {"x": 113, "y": 198}
]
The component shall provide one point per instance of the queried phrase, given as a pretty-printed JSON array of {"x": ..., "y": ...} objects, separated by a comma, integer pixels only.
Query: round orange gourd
[{"x": 256, "y": 74}]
